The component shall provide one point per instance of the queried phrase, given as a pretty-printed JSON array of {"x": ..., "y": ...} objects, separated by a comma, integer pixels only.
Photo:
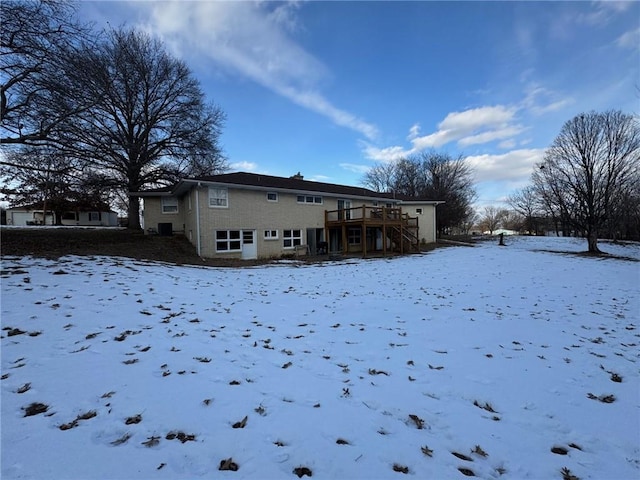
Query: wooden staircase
[{"x": 405, "y": 239}]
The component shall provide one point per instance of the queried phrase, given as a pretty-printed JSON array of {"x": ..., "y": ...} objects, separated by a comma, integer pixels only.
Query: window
[
  {"x": 419, "y": 211},
  {"x": 272, "y": 197},
  {"x": 292, "y": 238},
  {"x": 228, "y": 241},
  {"x": 218, "y": 197},
  {"x": 247, "y": 237},
  {"x": 354, "y": 236},
  {"x": 69, "y": 216},
  {"x": 169, "y": 204},
  {"x": 271, "y": 234},
  {"x": 94, "y": 216},
  {"x": 344, "y": 209},
  {"x": 310, "y": 199}
]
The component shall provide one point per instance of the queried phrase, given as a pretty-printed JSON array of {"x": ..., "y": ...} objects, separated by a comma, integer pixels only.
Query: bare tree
[
  {"x": 40, "y": 175},
  {"x": 492, "y": 218},
  {"x": 470, "y": 220},
  {"x": 381, "y": 177},
  {"x": 590, "y": 167},
  {"x": 512, "y": 220},
  {"x": 37, "y": 91},
  {"x": 527, "y": 203},
  {"x": 431, "y": 175},
  {"x": 449, "y": 179},
  {"x": 150, "y": 123}
]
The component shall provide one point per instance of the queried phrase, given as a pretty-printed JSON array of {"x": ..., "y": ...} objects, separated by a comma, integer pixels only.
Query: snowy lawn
[{"x": 499, "y": 362}]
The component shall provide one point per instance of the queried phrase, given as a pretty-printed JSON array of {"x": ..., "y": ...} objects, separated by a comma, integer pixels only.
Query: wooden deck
[{"x": 398, "y": 231}]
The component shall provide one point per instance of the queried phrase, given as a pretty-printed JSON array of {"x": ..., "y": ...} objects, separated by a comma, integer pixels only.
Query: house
[
  {"x": 248, "y": 216},
  {"x": 75, "y": 214}
]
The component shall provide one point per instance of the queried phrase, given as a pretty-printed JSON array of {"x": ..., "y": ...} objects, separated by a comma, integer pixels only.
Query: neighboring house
[
  {"x": 74, "y": 215},
  {"x": 248, "y": 216}
]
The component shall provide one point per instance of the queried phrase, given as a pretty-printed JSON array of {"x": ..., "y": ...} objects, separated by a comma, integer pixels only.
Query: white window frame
[
  {"x": 218, "y": 197},
  {"x": 169, "y": 205},
  {"x": 274, "y": 194},
  {"x": 290, "y": 239},
  {"x": 310, "y": 199},
  {"x": 271, "y": 235},
  {"x": 232, "y": 239}
]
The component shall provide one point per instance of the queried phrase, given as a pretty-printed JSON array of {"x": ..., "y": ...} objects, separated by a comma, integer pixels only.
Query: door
[
  {"x": 343, "y": 210},
  {"x": 249, "y": 247},
  {"x": 315, "y": 239}
]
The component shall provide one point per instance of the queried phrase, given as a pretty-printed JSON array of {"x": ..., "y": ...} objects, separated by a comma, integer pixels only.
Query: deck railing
[{"x": 368, "y": 214}]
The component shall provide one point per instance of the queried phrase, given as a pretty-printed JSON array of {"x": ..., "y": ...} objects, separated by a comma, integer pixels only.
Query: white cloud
[
  {"x": 468, "y": 127},
  {"x": 603, "y": 11},
  {"x": 473, "y": 126},
  {"x": 244, "y": 166},
  {"x": 355, "y": 168},
  {"x": 491, "y": 135},
  {"x": 388, "y": 154},
  {"x": 630, "y": 39},
  {"x": 319, "y": 178},
  {"x": 470, "y": 120},
  {"x": 540, "y": 100},
  {"x": 507, "y": 144},
  {"x": 511, "y": 166},
  {"x": 414, "y": 131},
  {"x": 252, "y": 40}
]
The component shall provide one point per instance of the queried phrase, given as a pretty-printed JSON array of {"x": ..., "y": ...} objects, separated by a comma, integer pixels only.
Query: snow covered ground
[{"x": 499, "y": 362}]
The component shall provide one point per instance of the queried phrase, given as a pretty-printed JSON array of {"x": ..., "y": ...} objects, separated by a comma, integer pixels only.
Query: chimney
[{"x": 297, "y": 176}]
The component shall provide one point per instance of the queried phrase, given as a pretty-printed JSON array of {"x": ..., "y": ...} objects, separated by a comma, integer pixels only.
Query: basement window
[
  {"x": 292, "y": 238},
  {"x": 228, "y": 241},
  {"x": 354, "y": 236},
  {"x": 271, "y": 234}
]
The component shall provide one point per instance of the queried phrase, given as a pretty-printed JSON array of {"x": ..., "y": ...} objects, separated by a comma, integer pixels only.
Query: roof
[
  {"x": 265, "y": 182},
  {"x": 70, "y": 206}
]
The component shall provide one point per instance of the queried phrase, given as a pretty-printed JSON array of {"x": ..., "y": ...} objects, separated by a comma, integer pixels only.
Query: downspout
[
  {"x": 198, "y": 219},
  {"x": 435, "y": 233}
]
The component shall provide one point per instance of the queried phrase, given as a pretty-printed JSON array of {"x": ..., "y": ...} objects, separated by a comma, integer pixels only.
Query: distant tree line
[
  {"x": 96, "y": 115},
  {"x": 587, "y": 185}
]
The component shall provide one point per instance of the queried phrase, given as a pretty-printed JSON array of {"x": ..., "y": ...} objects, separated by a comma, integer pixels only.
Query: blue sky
[{"x": 332, "y": 88}]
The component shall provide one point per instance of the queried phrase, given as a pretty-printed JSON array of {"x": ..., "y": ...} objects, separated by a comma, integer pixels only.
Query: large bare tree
[
  {"x": 431, "y": 175},
  {"x": 589, "y": 170},
  {"x": 150, "y": 123},
  {"x": 38, "y": 94}
]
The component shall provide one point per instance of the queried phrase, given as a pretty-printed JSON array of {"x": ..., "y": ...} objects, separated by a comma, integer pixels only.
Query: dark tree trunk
[
  {"x": 592, "y": 239},
  {"x": 134, "y": 213}
]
